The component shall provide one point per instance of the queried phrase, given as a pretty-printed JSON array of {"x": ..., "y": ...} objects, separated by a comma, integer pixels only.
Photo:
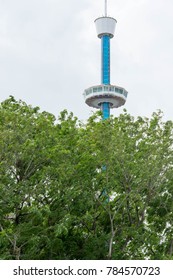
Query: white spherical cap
[{"x": 105, "y": 26}]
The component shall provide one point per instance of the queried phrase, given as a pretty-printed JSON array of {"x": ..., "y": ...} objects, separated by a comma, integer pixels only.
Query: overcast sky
[{"x": 49, "y": 53}]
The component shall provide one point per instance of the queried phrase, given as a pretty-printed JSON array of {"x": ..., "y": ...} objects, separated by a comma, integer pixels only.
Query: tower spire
[{"x": 105, "y": 8}]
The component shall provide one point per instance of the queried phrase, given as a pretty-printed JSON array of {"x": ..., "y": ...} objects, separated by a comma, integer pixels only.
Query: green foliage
[{"x": 102, "y": 190}]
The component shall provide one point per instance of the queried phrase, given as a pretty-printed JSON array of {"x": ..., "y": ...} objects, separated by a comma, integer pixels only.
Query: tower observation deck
[{"x": 105, "y": 96}]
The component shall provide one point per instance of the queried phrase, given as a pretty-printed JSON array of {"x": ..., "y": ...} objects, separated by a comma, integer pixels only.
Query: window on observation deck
[
  {"x": 119, "y": 90},
  {"x": 125, "y": 93}
]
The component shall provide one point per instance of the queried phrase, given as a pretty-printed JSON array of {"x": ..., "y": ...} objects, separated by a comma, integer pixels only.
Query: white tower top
[{"x": 105, "y": 25}]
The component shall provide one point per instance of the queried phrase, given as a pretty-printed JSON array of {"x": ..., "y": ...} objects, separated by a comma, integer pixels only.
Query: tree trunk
[{"x": 111, "y": 239}]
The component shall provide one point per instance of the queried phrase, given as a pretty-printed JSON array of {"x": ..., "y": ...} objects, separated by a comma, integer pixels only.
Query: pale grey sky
[{"x": 49, "y": 53}]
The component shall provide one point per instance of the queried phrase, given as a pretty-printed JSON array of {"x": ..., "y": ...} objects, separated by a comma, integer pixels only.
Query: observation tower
[{"x": 105, "y": 96}]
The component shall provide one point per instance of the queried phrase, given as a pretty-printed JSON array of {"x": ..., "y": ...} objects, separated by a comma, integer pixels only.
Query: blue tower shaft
[
  {"x": 105, "y": 79},
  {"x": 105, "y": 107},
  {"x": 105, "y": 44},
  {"x": 105, "y": 73}
]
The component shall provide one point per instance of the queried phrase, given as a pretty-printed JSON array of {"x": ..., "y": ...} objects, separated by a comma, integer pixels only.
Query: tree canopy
[{"x": 99, "y": 190}]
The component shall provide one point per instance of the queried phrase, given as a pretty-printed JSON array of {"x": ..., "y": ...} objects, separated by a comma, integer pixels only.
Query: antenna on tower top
[{"x": 105, "y": 8}]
